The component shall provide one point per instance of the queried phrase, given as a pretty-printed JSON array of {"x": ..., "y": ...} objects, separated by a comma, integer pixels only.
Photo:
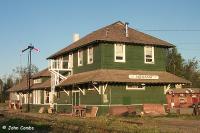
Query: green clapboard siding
[
  {"x": 134, "y": 58},
  {"x": 87, "y": 67},
  {"x": 64, "y": 98},
  {"x": 151, "y": 94},
  {"x": 91, "y": 98}
]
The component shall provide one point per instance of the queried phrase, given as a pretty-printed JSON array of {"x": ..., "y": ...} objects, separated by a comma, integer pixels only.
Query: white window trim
[
  {"x": 79, "y": 59},
  {"x": 36, "y": 96},
  {"x": 37, "y": 81},
  {"x": 124, "y": 53},
  {"x": 153, "y": 59},
  {"x": 88, "y": 55},
  {"x": 45, "y": 97},
  {"x": 70, "y": 60},
  {"x": 134, "y": 88}
]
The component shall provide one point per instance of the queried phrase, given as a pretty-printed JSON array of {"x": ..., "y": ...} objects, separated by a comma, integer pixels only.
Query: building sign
[{"x": 143, "y": 76}]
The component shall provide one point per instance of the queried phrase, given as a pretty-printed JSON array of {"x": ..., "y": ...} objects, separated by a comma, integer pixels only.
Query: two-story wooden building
[{"x": 112, "y": 66}]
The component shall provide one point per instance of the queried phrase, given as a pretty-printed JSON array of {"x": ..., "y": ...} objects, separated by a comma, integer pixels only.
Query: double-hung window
[
  {"x": 46, "y": 97},
  {"x": 119, "y": 53},
  {"x": 90, "y": 55},
  {"x": 80, "y": 57},
  {"x": 36, "y": 97},
  {"x": 149, "y": 54}
]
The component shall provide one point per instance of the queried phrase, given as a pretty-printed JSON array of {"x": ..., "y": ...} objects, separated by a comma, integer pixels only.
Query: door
[{"x": 75, "y": 98}]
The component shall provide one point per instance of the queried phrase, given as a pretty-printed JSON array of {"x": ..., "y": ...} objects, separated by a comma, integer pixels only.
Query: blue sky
[{"x": 50, "y": 24}]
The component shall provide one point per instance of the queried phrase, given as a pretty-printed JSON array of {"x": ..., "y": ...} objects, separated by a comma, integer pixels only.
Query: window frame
[
  {"x": 88, "y": 55},
  {"x": 45, "y": 96},
  {"x": 37, "y": 81},
  {"x": 124, "y": 53},
  {"x": 145, "y": 53},
  {"x": 36, "y": 96},
  {"x": 80, "y": 51}
]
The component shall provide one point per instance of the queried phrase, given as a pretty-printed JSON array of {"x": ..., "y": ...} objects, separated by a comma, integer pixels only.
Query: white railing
[{"x": 59, "y": 65}]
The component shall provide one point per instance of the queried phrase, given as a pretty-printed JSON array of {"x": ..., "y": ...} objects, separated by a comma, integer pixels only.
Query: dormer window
[
  {"x": 119, "y": 53},
  {"x": 90, "y": 55},
  {"x": 149, "y": 54},
  {"x": 80, "y": 57},
  {"x": 37, "y": 81}
]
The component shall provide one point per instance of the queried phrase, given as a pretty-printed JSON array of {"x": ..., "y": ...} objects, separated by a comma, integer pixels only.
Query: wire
[{"x": 172, "y": 30}]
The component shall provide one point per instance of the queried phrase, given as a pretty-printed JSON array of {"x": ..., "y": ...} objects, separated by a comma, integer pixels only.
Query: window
[
  {"x": 37, "y": 81},
  {"x": 135, "y": 87},
  {"x": 36, "y": 97},
  {"x": 90, "y": 55},
  {"x": 149, "y": 54},
  {"x": 71, "y": 60},
  {"x": 46, "y": 97},
  {"x": 119, "y": 51},
  {"x": 80, "y": 58},
  {"x": 25, "y": 98}
]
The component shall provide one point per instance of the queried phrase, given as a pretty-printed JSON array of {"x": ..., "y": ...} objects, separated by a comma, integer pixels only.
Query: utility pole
[{"x": 30, "y": 48}]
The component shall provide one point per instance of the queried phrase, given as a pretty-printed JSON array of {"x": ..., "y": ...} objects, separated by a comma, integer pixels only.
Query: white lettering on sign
[{"x": 143, "y": 76}]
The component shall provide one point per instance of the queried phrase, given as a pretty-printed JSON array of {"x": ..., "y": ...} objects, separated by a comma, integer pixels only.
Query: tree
[
  {"x": 1, "y": 90},
  {"x": 7, "y": 84},
  {"x": 175, "y": 62},
  {"x": 192, "y": 72},
  {"x": 178, "y": 66},
  {"x": 20, "y": 72}
]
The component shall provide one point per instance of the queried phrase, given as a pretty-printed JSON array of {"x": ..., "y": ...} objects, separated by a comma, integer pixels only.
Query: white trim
[
  {"x": 166, "y": 88},
  {"x": 88, "y": 55},
  {"x": 104, "y": 87},
  {"x": 67, "y": 92},
  {"x": 37, "y": 81},
  {"x": 82, "y": 90},
  {"x": 153, "y": 59},
  {"x": 46, "y": 96},
  {"x": 36, "y": 96},
  {"x": 98, "y": 89},
  {"x": 124, "y": 54},
  {"x": 80, "y": 51},
  {"x": 70, "y": 61}
]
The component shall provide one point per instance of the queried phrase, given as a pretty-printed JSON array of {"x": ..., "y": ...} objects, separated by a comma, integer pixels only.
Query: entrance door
[{"x": 75, "y": 98}]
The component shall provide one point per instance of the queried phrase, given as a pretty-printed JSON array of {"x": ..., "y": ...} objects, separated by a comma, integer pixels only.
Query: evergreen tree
[{"x": 175, "y": 62}]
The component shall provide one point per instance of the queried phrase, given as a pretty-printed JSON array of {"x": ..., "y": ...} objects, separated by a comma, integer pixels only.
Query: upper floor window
[
  {"x": 37, "y": 81},
  {"x": 90, "y": 55},
  {"x": 119, "y": 52},
  {"x": 149, "y": 54},
  {"x": 80, "y": 57}
]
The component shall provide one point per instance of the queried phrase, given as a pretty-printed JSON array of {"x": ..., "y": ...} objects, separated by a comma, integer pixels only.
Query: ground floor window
[
  {"x": 37, "y": 97},
  {"x": 46, "y": 97},
  {"x": 25, "y": 98},
  {"x": 135, "y": 87}
]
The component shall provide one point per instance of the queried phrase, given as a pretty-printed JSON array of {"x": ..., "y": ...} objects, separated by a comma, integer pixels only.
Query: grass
[{"x": 106, "y": 124}]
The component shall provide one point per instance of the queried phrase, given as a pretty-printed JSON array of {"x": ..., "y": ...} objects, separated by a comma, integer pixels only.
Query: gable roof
[
  {"x": 113, "y": 75},
  {"x": 23, "y": 85},
  {"x": 114, "y": 33},
  {"x": 43, "y": 73}
]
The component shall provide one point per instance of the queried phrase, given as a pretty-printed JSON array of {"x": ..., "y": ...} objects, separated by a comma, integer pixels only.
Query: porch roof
[{"x": 122, "y": 76}]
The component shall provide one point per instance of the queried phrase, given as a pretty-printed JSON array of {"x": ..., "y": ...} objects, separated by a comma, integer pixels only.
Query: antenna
[{"x": 30, "y": 48}]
